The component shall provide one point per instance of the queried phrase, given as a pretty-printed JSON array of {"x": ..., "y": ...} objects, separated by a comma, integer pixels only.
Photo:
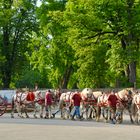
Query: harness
[
  {"x": 137, "y": 103},
  {"x": 88, "y": 101},
  {"x": 103, "y": 103},
  {"x": 40, "y": 100},
  {"x": 18, "y": 96},
  {"x": 126, "y": 103}
]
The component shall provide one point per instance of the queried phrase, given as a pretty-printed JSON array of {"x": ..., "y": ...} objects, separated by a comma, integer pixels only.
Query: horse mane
[
  {"x": 96, "y": 94},
  {"x": 122, "y": 92}
]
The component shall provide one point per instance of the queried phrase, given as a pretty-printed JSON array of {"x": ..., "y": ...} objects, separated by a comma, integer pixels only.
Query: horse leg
[
  {"x": 94, "y": 112},
  {"x": 35, "y": 110},
  {"x": 102, "y": 112},
  {"x": 112, "y": 111},
  {"x": 19, "y": 110},
  {"x": 47, "y": 113},
  {"x": 98, "y": 113},
  {"x": 13, "y": 108},
  {"x": 87, "y": 109},
  {"x": 61, "y": 110},
  {"x": 25, "y": 111},
  {"x": 68, "y": 112},
  {"x": 41, "y": 111},
  {"x": 50, "y": 111},
  {"x": 105, "y": 114},
  {"x": 138, "y": 115},
  {"x": 82, "y": 110},
  {"x": 90, "y": 113},
  {"x": 119, "y": 116},
  {"x": 130, "y": 114}
]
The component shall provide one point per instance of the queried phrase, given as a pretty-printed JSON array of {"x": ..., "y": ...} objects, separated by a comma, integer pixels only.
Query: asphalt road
[{"x": 58, "y": 129}]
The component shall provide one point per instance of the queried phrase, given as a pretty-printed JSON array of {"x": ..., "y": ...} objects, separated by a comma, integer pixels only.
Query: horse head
[
  {"x": 86, "y": 93},
  {"x": 124, "y": 95}
]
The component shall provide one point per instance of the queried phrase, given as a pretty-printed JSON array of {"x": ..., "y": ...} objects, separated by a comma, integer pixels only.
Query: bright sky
[{"x": 38, "y": 3}]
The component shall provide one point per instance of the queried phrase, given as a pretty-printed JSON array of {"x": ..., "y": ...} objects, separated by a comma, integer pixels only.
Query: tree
[
  {"x": 109, "y": 23},
  {"x": 60, "y": 54},
  {"x": 17, "y": 23}
]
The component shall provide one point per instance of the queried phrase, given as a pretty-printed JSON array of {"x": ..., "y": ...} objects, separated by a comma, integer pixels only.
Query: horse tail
[
  {"x": 12, "y": 107},
  {"x": 13, "y": 102}
]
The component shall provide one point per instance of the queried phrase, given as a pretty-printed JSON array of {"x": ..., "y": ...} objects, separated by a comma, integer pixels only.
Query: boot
[
  {"x": 53, "y": 115},
  {"x": 72, "y": 118},
  {"x": 46, "y": 116}
]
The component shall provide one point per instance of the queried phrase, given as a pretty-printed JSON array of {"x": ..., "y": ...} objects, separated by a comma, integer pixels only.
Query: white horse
[
  {"x": 65, "y": 104},
  {"x": 88, "y": 101},
  {"x": 95, "y": 109},
  {"x": 22, "y": 100},
  {"x": 17, "y": 103},
  {"x": 43, "y": 107},
  {"x": 103, "y": 106},
  {"x": 136, "y": 108},
  {"x": 125, "y": 98}
]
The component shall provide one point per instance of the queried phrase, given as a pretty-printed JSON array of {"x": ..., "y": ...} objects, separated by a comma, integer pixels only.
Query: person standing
[
  {"x": 76, "y": 101},
  {"x": 48, "y": 104},
  {"x": 112, "y": 101}
]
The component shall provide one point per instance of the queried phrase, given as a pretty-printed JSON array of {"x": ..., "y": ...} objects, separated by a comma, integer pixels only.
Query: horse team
[{"x": 98, "y": 105}]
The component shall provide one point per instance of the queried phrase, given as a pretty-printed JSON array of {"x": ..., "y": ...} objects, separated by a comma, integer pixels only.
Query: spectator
[
  {"x": 112, "y": 101},
  {"x": 76, "y": 101},
  {"x": 48, "y": 103}
]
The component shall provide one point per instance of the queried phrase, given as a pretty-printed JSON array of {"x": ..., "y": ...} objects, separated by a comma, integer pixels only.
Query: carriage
[{"x": 3, "y": 105}]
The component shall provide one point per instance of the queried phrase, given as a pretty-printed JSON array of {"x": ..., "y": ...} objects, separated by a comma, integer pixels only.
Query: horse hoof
[
  {"x": 63, "y": 118},
  {"x": 53, "y": 116},
  {"x": 105, "y": 121},
  {"x": 46, "y": 117},
  {"x": 113, "y": 121},
  {"x": 20, "y": 116},
  {"x": 35, "y": 116},
  {"x": 97, "y": 119}
]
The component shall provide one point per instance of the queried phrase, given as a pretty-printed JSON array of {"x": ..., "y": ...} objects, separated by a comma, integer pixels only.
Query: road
[{"x": 57, "y": 129}]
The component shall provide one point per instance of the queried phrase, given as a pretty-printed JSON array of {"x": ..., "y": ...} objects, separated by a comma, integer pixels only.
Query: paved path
[{"x": 57, "y": 129}]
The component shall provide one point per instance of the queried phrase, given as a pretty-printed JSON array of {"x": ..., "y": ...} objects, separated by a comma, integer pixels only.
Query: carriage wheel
[{"x": 3, "y": 106}]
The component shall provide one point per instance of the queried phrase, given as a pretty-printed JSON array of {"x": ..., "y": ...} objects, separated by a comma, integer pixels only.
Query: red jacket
[
  {"x": 112, "y": 100},
  {"x": 48, "y": 98},
  {"x": 77, "y": 99},
  {"x": 30, "y": 96}
]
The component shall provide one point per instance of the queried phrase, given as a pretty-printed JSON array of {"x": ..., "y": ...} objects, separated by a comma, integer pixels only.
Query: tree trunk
[
  {"x": 6, "y": 79},
  {"x": 117, "y": 83},
  {"x": 6, "y": 67},
  {"x": 66, "y": 77},
  {"x": 132, "y": 73}
]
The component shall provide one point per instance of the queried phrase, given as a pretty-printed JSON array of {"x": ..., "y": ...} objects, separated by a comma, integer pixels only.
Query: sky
[{"x": 38, "y": 3}]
